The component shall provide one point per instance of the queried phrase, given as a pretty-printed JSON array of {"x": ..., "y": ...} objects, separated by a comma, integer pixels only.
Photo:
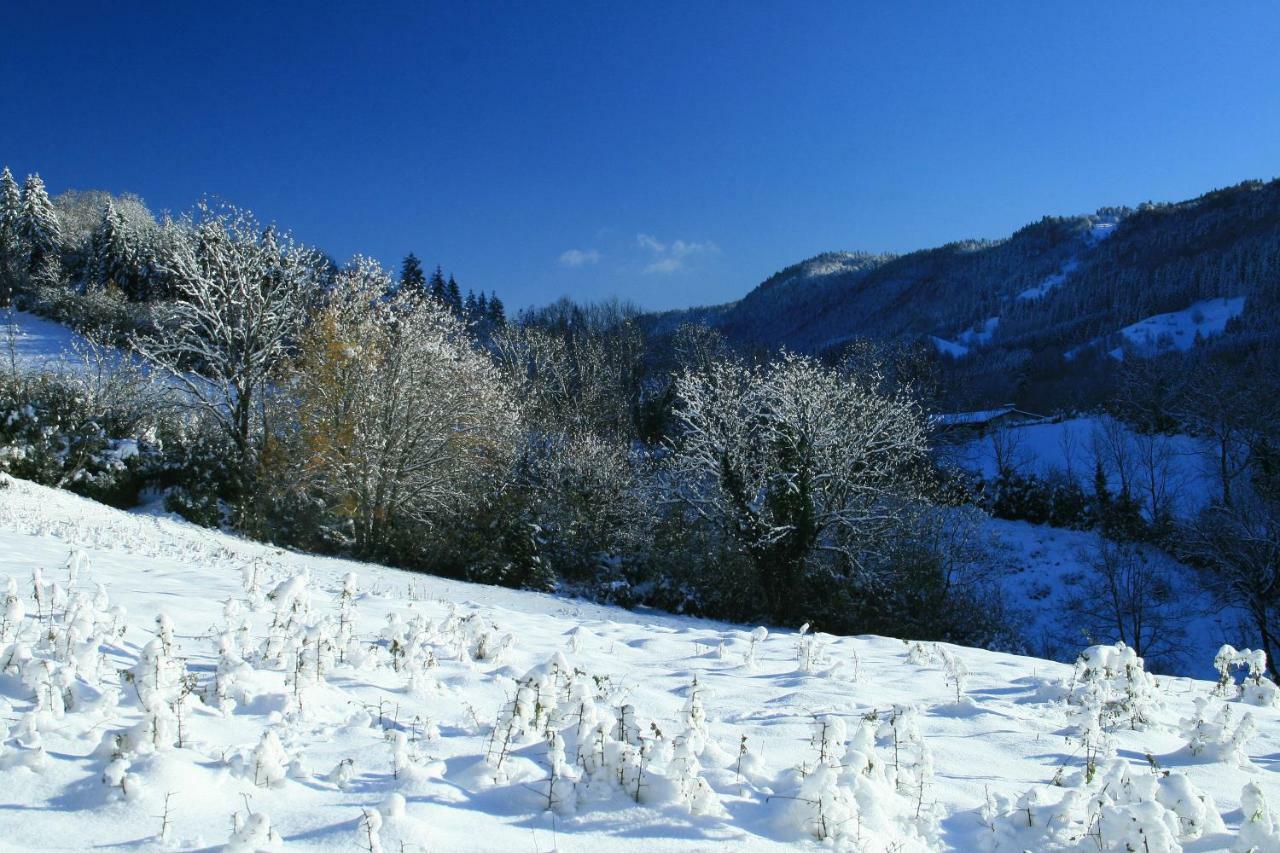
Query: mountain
[{"x": 1043, "y": 303}]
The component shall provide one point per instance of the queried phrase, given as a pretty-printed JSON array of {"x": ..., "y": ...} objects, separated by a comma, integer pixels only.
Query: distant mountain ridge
[{"x": 1064, "y": 283}]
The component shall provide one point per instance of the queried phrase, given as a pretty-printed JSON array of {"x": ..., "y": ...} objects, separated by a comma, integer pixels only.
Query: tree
[
  {"x": 1130, "y": 596},
  {"x": 1237, "y": 545},
  {"x": 242, "y": 293},
  {"x": 115, "y": 259},
  {"x": 412, "y": 279},
  {"x": 453, "y": 295},
  {"x": 497, "y": 312},
  {"x": 13, "y": 254},
  {"x": 400, "y": 418},
  {"x": 41, "y": 234},
  {"x": 801, "y": 466},
  {"x": 438, "y": 290}
]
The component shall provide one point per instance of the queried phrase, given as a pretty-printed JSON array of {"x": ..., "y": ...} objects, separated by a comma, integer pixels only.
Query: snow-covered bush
[
  {"x": 1218, "y": 736},
  {"x": 1256, "y": 689},
  {"x": 1259, "y": 829},
  {"x": 1112, "y": 679},
  {"x": 1118, "y": 809}
]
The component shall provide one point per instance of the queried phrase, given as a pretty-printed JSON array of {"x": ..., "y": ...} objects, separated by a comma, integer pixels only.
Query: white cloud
[
  {"x": 648, "y": 241},
  {"x": 670, "y": 257},
  {"x": 681, "y": 249},
  {"x": 579, "y": 257},
  {"x": 665, "y": 266}
]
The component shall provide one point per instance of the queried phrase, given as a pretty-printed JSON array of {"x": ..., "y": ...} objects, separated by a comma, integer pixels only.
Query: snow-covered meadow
[{"x": 166, "y": 687}]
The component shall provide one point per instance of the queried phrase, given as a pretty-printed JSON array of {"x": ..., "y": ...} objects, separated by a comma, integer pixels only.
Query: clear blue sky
[{"x": 671, "y": 153}]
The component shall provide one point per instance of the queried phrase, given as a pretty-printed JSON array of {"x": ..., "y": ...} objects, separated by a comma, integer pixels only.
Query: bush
[{"x": 55, "y": 434}]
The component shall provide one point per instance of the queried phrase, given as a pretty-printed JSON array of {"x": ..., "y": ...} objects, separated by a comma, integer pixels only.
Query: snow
[
  {"x": 1043, "y": 288},
  {"x": 979, "y": 334},
  {"x": 29, "y": 342},
  {"x": 949, "y": 348},
  {"x": 1178, "y": 329},
  {"x": 295, "y": 738},
  {"x": 1072, "y": 446},
  {"x": 1044, "y": 568},
  {"x": 963, "y": 418}
]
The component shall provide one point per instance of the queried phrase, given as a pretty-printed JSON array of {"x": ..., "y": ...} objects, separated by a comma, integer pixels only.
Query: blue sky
[{"x": 668, "y": 153}]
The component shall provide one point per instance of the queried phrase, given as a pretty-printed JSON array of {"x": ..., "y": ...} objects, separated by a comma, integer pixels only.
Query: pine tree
[
  {"x": 469, "y": 304},
  {"x": 42, "y": 234},
  {"x": 453, "y": 296},
  {"x": 482, "y": 306},
  {"x": 114, "y": 260},
  {"x": 437, "y": 285},
  {"x": 497, "y": 313},
  {"x": 12, "y": 251},
  {"x": 412, "y": 278}
]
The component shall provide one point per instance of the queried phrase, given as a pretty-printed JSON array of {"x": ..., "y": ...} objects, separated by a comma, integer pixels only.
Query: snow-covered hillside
[
  {"x": 1182, "y": 464},
  {"x": 166, "y": 687}
]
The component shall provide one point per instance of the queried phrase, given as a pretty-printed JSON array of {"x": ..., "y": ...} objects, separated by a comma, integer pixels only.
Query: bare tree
[
  {"x": 241, "y": 299},
  {"x": 1113, "y": 452},
  {"x": 1130, "y": 596},
  {"x": 1007, "y": 451},
  {"x": 795, "y": 462},
  {"x": 1237, "y": 546},
  {"x": 1218, "y": 409}
]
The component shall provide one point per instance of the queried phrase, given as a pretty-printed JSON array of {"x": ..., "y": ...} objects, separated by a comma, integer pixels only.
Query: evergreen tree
[
  {"x": 114, "y": 260},
  {"x": 453, "y": 296},
  {"x": 482, "y": 306},
  {"x": 41, "y": 233},
  {"x": 469, "y": 304},
  {"x": 497, "y": 313},
  {"x": 437, "y": 285},
  {"x": 412, "y": 278},
  {"x": 12, "y": 251}
]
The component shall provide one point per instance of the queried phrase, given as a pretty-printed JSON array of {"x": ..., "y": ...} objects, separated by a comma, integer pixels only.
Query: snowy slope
[
  {"x": 1073, "y": 445},
  {"x": 34, "y": 343},
  {"x": 417, "y": 704},
  {"x": 979, "y": 334},
  {"x": 1178, "y": 329}
]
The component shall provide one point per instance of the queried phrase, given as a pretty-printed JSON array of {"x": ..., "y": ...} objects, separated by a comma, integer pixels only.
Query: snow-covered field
[
  {"x": 1072, "y": 446},
  {"x": 278, "y": 699},
  {"x": 28, "y": 342}
]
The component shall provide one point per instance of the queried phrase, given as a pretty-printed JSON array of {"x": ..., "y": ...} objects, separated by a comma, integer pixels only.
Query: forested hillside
[{"x": 1025, "y": 318}]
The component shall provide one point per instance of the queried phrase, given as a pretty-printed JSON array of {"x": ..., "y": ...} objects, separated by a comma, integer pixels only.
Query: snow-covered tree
[
  {"x": 41, "y": 234},
  {"x": 399, "y": 415},
  {"x": 242, "y": 297},
  {"x": 13, "y": 253},
  {"x": 114, "y": 257},
  {"x": 795, "y": 463}
]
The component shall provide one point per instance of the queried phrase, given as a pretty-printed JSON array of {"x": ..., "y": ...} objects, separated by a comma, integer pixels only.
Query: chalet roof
[{"x": 979, "y": 418}]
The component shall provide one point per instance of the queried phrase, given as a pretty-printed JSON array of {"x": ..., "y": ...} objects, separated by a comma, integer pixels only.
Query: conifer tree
[
  {"x": 469, "y": 304},
  {"x": 12, "y": 251},
  {"x": 41, "y": 233},
  {"x": 114, "y": 259},
  {"x": 453, "y": 296},
  {"x": 412, "y": 278},
  {"x": 482, "y": 306},
  {"x": 437, "y": 285},
  {"x": 497, "y": 312}
]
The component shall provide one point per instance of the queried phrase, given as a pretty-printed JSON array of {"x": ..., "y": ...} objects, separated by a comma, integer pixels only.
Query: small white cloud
[
  {"x": 648, "y": 241},
  {"x": 665, "y": 266},
  {"x": 579, "y": 257},
  {"x": 670, "y": 257},
  {"x": 682, "y": 249}
]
